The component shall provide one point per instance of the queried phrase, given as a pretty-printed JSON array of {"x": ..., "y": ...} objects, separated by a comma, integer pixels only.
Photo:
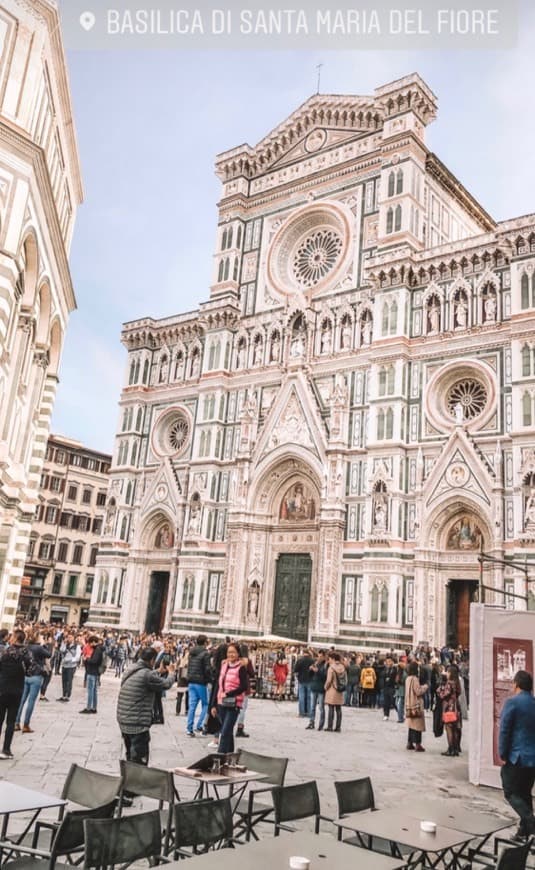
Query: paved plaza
[{"x": 366, "y": 746}]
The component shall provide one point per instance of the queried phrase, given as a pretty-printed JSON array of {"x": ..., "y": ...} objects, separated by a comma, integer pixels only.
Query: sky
[{"x": 149, "y": 126}]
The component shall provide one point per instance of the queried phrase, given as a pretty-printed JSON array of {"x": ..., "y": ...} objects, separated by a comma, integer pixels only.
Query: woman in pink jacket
[{"x": 231, "y": 690}]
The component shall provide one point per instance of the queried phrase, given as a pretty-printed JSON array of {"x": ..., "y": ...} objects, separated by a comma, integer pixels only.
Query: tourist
[
  {"x": 199, "y": 676},
  {"x": 389, "y": 686},
  {"x": 48, "y": 643},
  {"x": 32, "y": 681},
  {"x": 182, "y": 682},
  {"x": 353, "y": 682},
  {"x": 93, "y": 664},
  {"x": 280, "y": 673},
  {"x": 247, "y": 663},
  {"x": 317, "y": 690},
  {"x": 449, "y": 692},
  {"x": 304, "y": 678},
  {"x": 71, "y": 653},
  {"x": 135, "y": 702},
  {"x": 414, "y": 710},
  {"x": 368, "y": 678},
  {"x": 335, "y": 686},
  {"x": 516, "y": 745},
  {"x": 399, "y": 694},
  {"x": 15, "y": 662},
  {"x": 231, "y": 689}
]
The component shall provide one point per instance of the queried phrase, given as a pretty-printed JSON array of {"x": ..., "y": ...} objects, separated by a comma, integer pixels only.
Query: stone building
[
  {"x": 323, "y": 448},
  {"x": 60, "y": 564},
  {"x": 40, "y": 190}
]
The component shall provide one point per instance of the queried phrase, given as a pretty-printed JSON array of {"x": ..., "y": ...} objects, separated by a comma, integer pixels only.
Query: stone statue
[
  {"x": 298, "y": 344},
  {"x": 194, "y": 525},
  {"x": 345, "y": 336},
  {"x": 367, "y": 326},
  {"x": 490, "y": 309},
  {"x": 252, "y": 601},
  {"x": 240, "y": 359},
  {"x": 434, "y": 317},
  {"x": 195, "y": 365},
  {"x": 379, "y": 514},
  {"x": 179, "y": 369},
  {"x": 326, "y": 340},
  {"x": 529, "y": 513},
  {"x": 110, "y": 518},
  {"x": 461, "y": 312},
  {"x": 257, "y": 356},
  {"x": 164, "y": 369},
  {"x": 275, "y": 348}
]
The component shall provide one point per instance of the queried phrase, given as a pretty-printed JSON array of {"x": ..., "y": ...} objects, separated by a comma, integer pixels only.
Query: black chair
[
  {"x": 136, "y": 779},
  {"x": 66, "y": 839},
  {"x": 512, "y": 857},
  {"x": 201, "y": 826},
  {"x": 123, "y": 841},
  {"x": 251, "y": 811},
  {"x": 294, "y": 802},
  {"x": 354, "y": 796},
  {"x": 89, "y": 788}
]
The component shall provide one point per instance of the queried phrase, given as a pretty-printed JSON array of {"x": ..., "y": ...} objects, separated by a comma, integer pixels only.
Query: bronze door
[
  {"x": 157, "y": 603},
  {"x": 461, "y": 593},
  {"x": 292, "y": 596}
]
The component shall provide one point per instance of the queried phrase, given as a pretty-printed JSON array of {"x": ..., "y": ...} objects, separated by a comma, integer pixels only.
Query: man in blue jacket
[{"x": 516, "y": 746}]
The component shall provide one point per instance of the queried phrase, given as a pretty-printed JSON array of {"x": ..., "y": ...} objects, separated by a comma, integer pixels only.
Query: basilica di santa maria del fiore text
[{"x": 323, "y": 449}]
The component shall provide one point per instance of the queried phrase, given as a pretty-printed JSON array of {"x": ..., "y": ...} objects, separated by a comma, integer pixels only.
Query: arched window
[
  {"x": 211, "y": 406},
  {"x": 374, "y": 610},
  {"x": 129, "y": 493},
  {"x": 379, "y": 603},
  {"x": 389, "y": 423},
  {"x": 380, "y": 425},
  {"x": 524, "y": 291},
  {"x": 202, "y": 444},
  {"x": 391, "y": 184},
  {"x": 393, "y": 317},
  {"x": 397, "y": 220},
  {"x": 224, "y": 241},
  {"x": 124, "y": 525},
  {"x": 382, "y": 381},
  {"x": 125, "y": 420},
  {"x": 385, "y": 319},
  {"x": 389, "y": 221},
  {"x": 391, "y": 376},
  {"x": 130, "y": 416},
  {"x": 238, "y": 237},
  {"x": 399, "y": 181},
  {"x": 132, "y": 372},
  {"x": 146, "y": 368},
  {"x": 526, "y": 361},
  {"x": 235, "y": 269},
  {"x": 221, "y": 270},
  {"x": 229, "y": 241},
  {"x": 134, "y": 453},
  {"x": 227, "y": 269},
  {"x": 139, "y": 419},
  {"x": 526, "y": 410},
  {"x": 136, "y": 373},
  {"x": 533, "y": 290}
]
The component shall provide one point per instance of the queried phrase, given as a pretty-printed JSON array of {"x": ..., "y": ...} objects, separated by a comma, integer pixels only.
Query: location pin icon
[{"x": 87, "y": 20}]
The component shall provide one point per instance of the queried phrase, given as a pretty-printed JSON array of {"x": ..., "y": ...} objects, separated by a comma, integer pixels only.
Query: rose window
[
  {"x": 470, "y": 394},
  {"x": 316, "y": 256},
  {"x": 177, "y": 434}
]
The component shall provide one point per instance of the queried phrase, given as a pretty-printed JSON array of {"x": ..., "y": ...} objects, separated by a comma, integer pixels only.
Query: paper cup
[
  {"x": 428, "y": 827},
  {"x": 299, "y": 863}
]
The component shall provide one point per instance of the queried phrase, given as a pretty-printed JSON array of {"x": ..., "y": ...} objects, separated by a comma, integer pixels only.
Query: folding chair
[
  {"x": 89, "y": 788},
  {"x": 293, "y": 802},
  {"x": 136, "y": 779},
  {"x": 354, "y": 796},
  {"x": 202, "y": 825},
  {"x": 251, "y": 811},
  {"x": 123, "y": 841}
]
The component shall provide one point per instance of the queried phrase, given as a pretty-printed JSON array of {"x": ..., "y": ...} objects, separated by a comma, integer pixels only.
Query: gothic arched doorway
[{"x": 462, "y": 535}]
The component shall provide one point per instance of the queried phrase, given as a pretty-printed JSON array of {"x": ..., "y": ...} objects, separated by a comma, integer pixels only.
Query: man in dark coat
[
  {"x": 135, "y": 702},
  {"x": 15, "y": 662},
  {"x": 199, "y": 676},
  {"x": 516, "y": 745}
]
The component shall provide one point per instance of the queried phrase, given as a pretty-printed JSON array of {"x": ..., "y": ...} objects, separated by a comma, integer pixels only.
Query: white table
[
  {"x": 324, "y": 852},
  {"x": 206, "y": 780},
  {"x": 17, "y": 799}
]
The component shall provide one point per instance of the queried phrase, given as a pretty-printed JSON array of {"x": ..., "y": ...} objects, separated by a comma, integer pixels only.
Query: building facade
[
  {"x": 322, "y": 450},
  {"x": 60, "y": 565},
  {"x": 40, "y": 189}
]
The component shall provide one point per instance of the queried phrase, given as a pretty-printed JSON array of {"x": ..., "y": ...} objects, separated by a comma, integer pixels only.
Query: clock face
[{"x": 315, "y": 140}]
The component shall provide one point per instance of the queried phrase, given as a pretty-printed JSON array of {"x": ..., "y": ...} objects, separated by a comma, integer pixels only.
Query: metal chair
[
  {"x": 67, "y": 838},
  {"x": 354, "y": 796},
  {"x": 251, "y": 811},
  {"x": 515, "y": 858},
  {"x": 136, "y": 779},
  {"x": 123, "y": 840},
  {"x": 512, "y": 857},
  {"x": 201, "y": 826},
  {"x": 89, "y": 788},
  {"x": 293, "y": 802}
]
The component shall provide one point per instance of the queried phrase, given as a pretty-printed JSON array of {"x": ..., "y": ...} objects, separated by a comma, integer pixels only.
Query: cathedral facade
[
  {"x": 324, "y": 449},
  {"x": 40, "y": 190}
]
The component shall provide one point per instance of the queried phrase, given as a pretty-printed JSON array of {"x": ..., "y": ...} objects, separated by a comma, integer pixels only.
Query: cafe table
[
  {"x": 17, "y": 799},
  {"x": 236, "y": 782},
  {"x": 441, "y": 849},
  {"x": 447, "y": 813},
  {"x": 274, "y": 854}
]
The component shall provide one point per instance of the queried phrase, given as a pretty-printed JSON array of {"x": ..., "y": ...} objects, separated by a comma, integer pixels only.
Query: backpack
[
  {"x": 104, "y": 663},
  {"x": 368, "y": 678},
  {"x": 340, "y": 681}
]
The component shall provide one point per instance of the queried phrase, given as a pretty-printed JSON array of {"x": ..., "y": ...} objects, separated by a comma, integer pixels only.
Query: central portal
[
  {"x": 292, "y": 596},
  {"x": 461, "y": 593},
  {"x": 157, "y": 602}
]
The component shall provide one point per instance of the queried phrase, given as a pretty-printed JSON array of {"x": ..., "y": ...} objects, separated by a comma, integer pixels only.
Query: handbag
[
  {"x": 414, "y": 712},
  {"x": 229, "y": 702},
  {"x": 449, "y": 717}
]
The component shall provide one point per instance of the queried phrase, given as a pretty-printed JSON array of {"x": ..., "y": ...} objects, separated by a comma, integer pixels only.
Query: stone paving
[{"x": 366, "y": 746}]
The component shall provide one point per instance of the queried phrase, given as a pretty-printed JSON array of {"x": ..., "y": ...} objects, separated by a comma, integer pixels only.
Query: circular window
[
  {"x": 316, "y": 257},
  {"x": 311, "y": 249},
  {"x": 470, "y": 394},
  {"x": 461, "y": 393},
  {"x": 171, "y": 433}
]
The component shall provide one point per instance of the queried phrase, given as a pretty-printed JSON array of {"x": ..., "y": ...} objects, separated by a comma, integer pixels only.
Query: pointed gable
[
  {"x": 293, "y": 419},
  {"x": 460, "y": 469},
  {"x": 163, "y": 490}
]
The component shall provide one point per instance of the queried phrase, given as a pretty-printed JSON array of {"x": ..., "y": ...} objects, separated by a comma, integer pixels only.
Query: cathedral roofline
[{"x": 436, "y": 168}]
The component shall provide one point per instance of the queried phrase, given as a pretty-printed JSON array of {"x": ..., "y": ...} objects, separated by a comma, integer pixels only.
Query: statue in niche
[
  {"x": 461, "y": 312},
  {"x": 489, "y": 308},
  {"x": 326, "y": 338},
  {"x": 379, "y": 512},
  {"x": 297, "y": 347},
  {"x": 297, "y": 504},
  {"x": 194, "y": 525},
  {"x": 529, "y": 513},
  {"x": 164, "y": 369},
  {"x": 240, "y": 360},
  {"x": 179, "y": 369},
  {"x": 110, "y": 517},
  {"x": 195, "y": 365},
  {"x": 345, "y": 336},
  {"x": 257, "y": 356},
  {"x": 164, "y": 538},
  {"x": 275, "y": 347},
  {"x": 367, "y": 328},
  {"x": 252, "y": 601},
  {"x": 434, "y": 316}
]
